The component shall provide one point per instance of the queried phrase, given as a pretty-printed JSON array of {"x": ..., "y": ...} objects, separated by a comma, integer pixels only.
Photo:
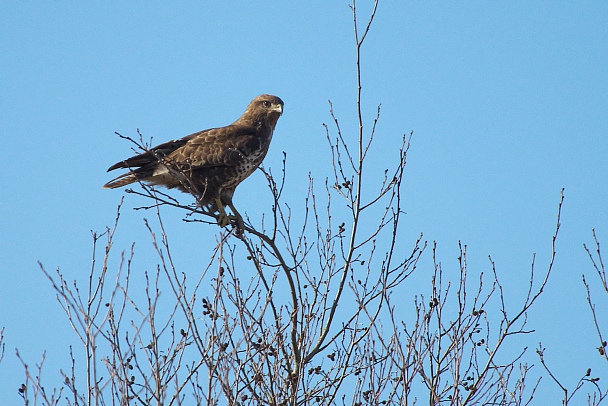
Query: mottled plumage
[{"x": 211, "y": 163}]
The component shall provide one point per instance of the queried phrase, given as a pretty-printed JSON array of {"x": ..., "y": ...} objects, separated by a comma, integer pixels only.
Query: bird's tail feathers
[
  {"x": 123, "y": 180},
  {"x": 128, "y": 178}
]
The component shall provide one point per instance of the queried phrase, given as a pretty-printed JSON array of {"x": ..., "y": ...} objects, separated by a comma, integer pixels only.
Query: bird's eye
[{"x": 266, "y": 103}]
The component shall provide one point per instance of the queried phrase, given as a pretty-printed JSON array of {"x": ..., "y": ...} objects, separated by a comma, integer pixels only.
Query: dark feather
[{"x": 149, "y": 156}]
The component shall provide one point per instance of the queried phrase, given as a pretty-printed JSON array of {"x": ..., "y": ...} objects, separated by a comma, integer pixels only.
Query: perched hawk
[{"x": 209, "y": 164}]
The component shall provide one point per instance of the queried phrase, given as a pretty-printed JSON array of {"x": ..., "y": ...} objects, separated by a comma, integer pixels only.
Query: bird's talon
[{"x": 224, "y": 219}]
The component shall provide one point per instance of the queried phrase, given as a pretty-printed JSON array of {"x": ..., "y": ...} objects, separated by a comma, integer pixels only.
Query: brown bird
[{"x": 209, "y": 164}]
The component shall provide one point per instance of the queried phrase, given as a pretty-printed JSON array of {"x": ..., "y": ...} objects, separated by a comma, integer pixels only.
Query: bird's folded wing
[
  {"x": 152, "y": 155},
  {"x": 225, "y": 146}
]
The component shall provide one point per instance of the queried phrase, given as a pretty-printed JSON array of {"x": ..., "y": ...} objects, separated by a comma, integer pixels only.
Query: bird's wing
[
  {"x": 152, "y": 156},
  {"x": 224, "y": 146}
]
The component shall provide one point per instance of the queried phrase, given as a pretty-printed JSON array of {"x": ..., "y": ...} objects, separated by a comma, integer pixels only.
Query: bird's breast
[{"x": 246, "y": 167}]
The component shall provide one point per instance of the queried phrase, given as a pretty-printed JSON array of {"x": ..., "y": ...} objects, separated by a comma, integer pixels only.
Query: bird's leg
[
  {"x": 237, "y": 216},
  {"x": 224, "y": 219}
]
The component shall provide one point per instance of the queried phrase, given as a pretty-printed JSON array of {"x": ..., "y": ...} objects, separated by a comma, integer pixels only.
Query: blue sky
[{"x": 508, "y": 103}]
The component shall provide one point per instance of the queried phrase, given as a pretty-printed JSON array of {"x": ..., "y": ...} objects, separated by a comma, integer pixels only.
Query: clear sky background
[{"x": 508, "y": 102}]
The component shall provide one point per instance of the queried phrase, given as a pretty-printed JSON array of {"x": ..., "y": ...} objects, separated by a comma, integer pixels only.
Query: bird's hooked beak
[{"x": 278, "y": 108}]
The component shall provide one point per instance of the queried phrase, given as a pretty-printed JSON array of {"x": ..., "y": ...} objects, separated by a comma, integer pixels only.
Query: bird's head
[{"x": 265, "y": 108}]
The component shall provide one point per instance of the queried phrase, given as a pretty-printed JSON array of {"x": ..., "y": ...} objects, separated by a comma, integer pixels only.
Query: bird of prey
[{"x": 209, "y": 164}]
